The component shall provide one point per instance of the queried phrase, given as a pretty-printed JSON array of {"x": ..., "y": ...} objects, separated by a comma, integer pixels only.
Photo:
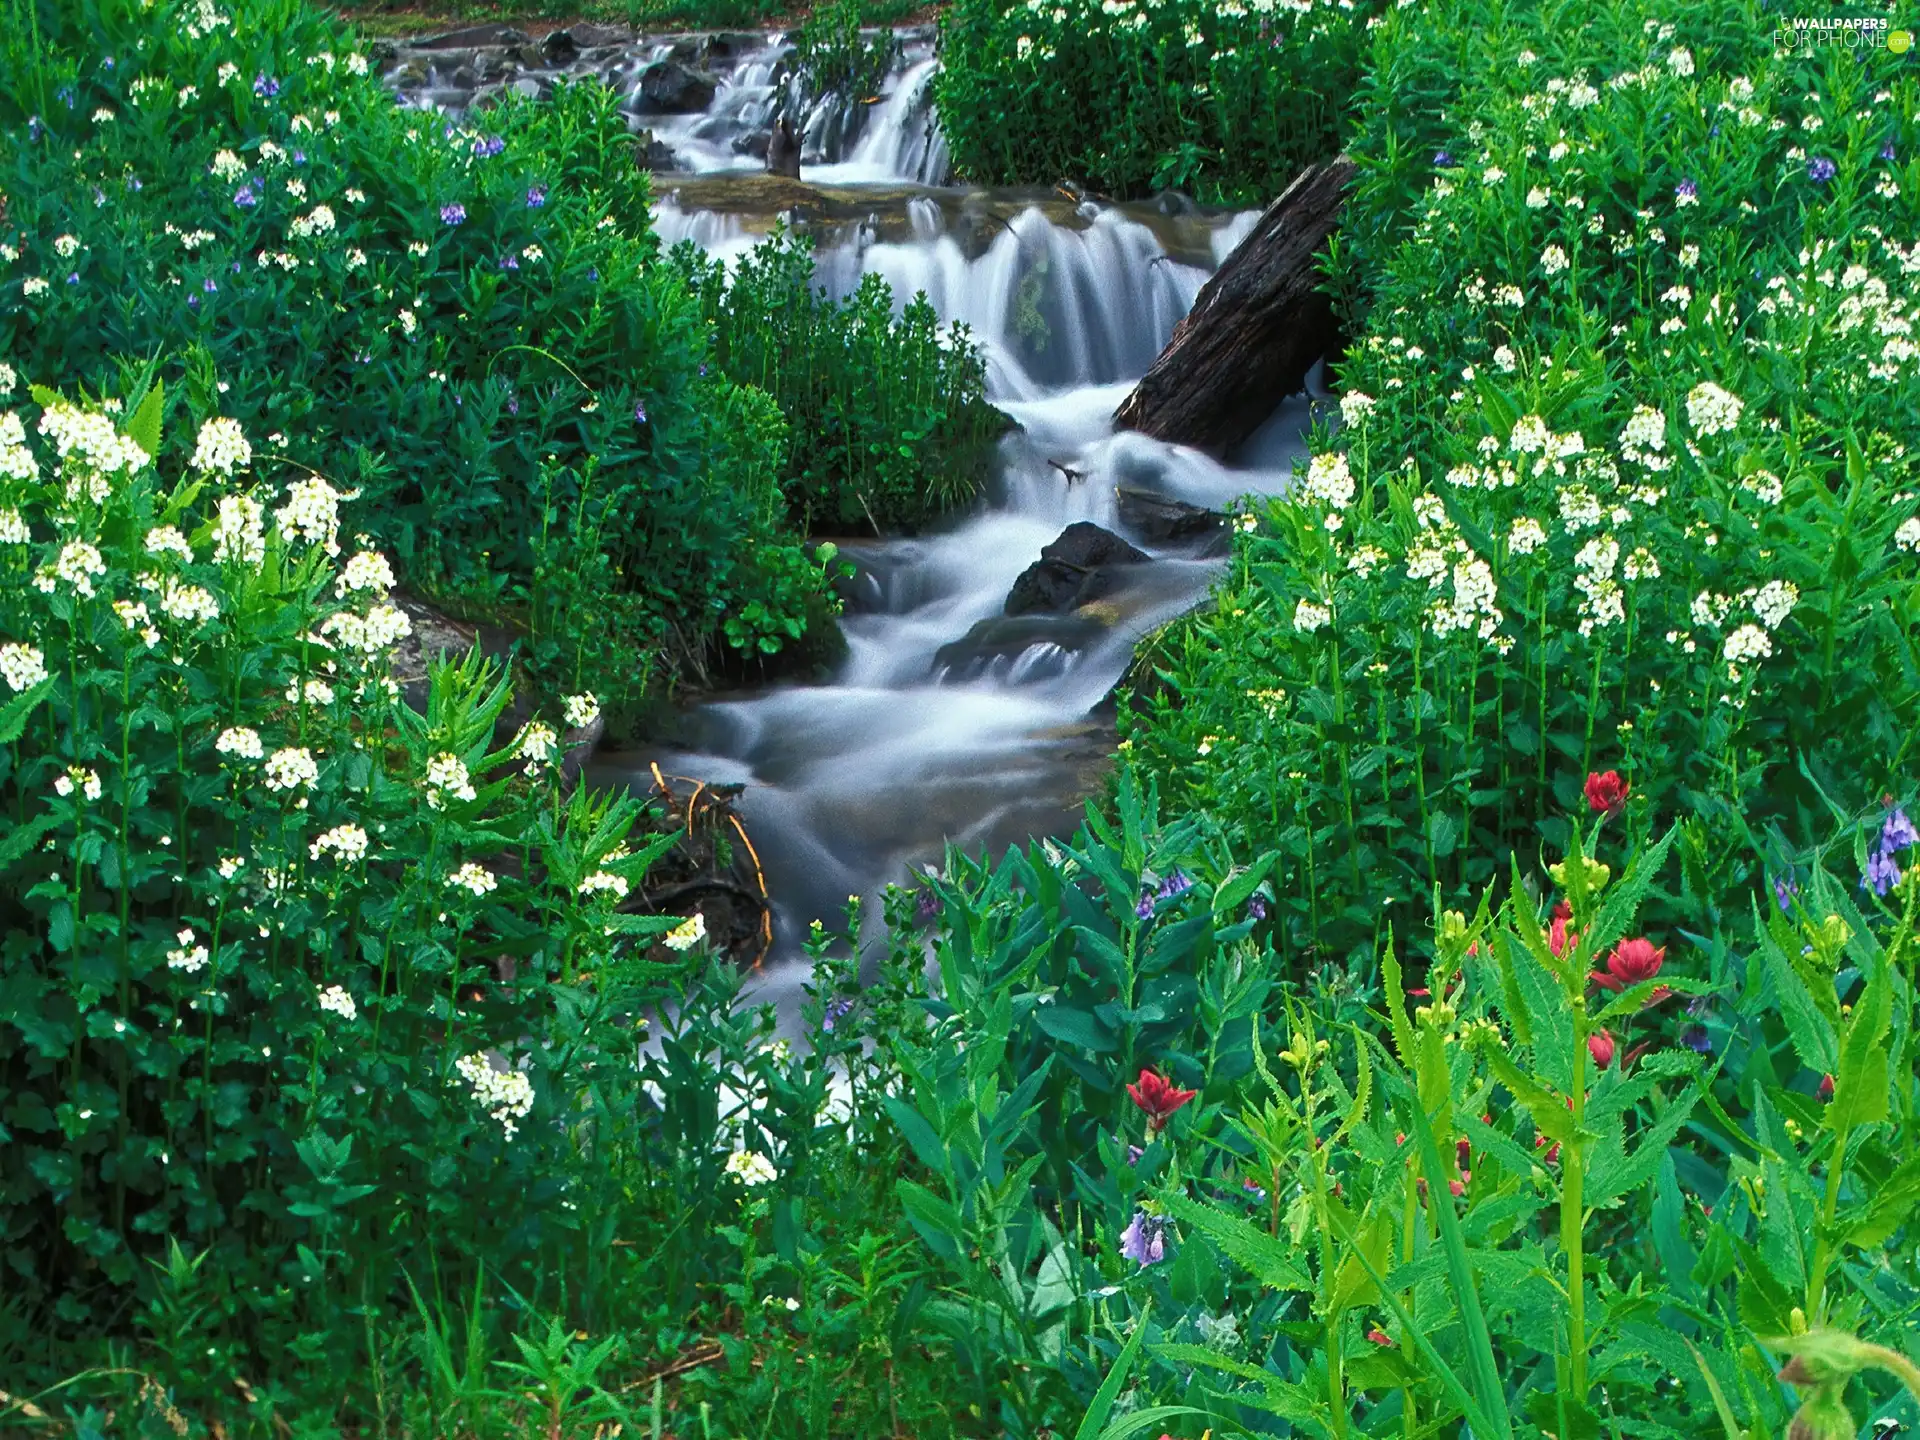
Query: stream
[{"x": 948, "y": 721}]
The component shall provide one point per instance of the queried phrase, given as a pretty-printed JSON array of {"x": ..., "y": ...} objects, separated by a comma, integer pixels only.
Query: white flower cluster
[
  {"x": 13, "y": 527},
  {"x": 1711, "y": 410},
  {"x": 239, "y": 534},
  {"x": 345, "y": 843},
  {"x": 314, "y": 692},
  {"x": 312, "y": 514},
  {"x": 16, "y": 460},
  {"x": 1602, "y": 602},
  {"x": 228, "y": 166},
  {"x": 317, "y": 221},
  {"x": 687, "y": 933},
  {"x": 1643, "y": 439},
  {"x": 751, "y": 1168},
  {"x": 1907, "y": 537},
  {"x": 166, "y": 540},
  {"x": 24, "y": 666},
  {"x": 74, "y": 567},
  {"x": 1310, "y": 615},
  {"x": 1774, "y": 601},
  {"x": 537, "y": 742},
  {"x": 447, "y": 779},
  {"x": 336, "y": 1000},
  {"x": 506, "y": 1095},
  {"x": 1330, "y": 481},
  {"x": 1526, "y": 536},
  {"x": 366, "y": 570},
  {"x": 221, "y": 447},
  {"x": 1355, "y": 406},
  {"x": 475, "y": 879},
  {"x": 190, "y": 957},
  {"x": 291, "y": 768},
  {"x": 379, "y": 629},
  {"x": 580, "y": 711},
  {"x": 1764, "y": 486},
  {"x": 189, "y": 604},
  {"x": 1747, "y": 643},
  {"x": 87, "y": 780},
  {"x": 240, "y": 742},
  {"x": 92, "y": 437}
]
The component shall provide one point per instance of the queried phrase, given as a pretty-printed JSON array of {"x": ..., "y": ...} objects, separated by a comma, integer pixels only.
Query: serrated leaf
[
  {"x": 16, "y": 712},
  {"x": 1268, "y": 1260}
]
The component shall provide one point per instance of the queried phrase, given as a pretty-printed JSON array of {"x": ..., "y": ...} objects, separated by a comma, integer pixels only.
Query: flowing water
[{"x": 947, "y": 721}]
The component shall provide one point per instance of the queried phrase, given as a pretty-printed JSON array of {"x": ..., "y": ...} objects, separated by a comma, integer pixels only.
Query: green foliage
[
  {"x": 886, "y": 414},
  {"x": 1511, "y": 1195},
  {"x": 834, "y": 57},
  {"x": 450, "y": 317},
  {"x": 1624, "y": 481},
  {"x": 1127, "y": 96},
  {"x": 294, "y": 973}
]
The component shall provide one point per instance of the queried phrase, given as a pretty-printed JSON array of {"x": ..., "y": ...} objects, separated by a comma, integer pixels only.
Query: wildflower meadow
[{"x": 1479, "y": 1000}]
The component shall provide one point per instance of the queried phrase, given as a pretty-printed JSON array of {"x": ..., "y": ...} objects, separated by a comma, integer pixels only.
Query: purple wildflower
[
  {"x": 208, "y": 285},
  {"x": 1886, "y": 151},
  {"x": 536, "y": 197},
  {"x": 265, "y": 86},
  {"x": 193, "y": 302},
  {"x": 1785, "y": 887},
  {"x": 1881, "y": 874},
  {"x": 1257, "y": 1191},
  {"x": 488, "y": 145},
  {"x": 1134, "y": 1152},
  {"x": 1256, "y": 907},
  {"x": 1696, "y": 1039},
  {"x": 133, "y": 183},
  {"x": 1820, "y": 169},
  {"x": 99, "y": 197},
  {"x": 594, "y": 273},
  {"x": 454, "y": 214},
  {"x": 65, "y": 95},
  {"x": 1898, "y": 833},
  {"x": 509, "y": 261},
  {"x": 836, "y": 1011},
  {"x": 926, "y": 904},
  {"x": 33, "y": 127},
  {"x": 1442, "y": 159},
  {"x": 246, "y": 197},
  {"x": 513, "y": 405},
  {"x": 1175, "y": 884},
  {"x": 1144, "y": 1241},
  {"x": 299, "y": 157},
  {"x": 1686, "y": 190},
  {"x": 1145, "y": 908},
  {"x": 73, "y": 277},
  {"x": 640, "y": 418}
]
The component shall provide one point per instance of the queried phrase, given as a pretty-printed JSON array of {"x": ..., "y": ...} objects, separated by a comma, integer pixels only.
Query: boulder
[
  {"x": 670, "y": 87},
  {"x": 1079, "y": 567},
  {"x": 654, "y": 155},
  {"x": 1255, "y": 330},
  {"x": 471, "y": 36},
  {"x": 1162, "y": 520},
  {"x": 1022, "y": 647}
]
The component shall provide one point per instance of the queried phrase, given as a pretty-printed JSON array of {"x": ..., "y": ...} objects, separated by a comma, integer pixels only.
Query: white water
[{"x": 855, "y": 783}]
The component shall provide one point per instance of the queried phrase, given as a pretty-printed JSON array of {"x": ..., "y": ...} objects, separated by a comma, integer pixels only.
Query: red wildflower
[
  {"x": 1379, "y": 1337},
  {"x": 1606, "y": 791},
  {"x": 1559, "y": 938},
  {"x": 1159, "y": 1097},
  {"x": 1600, "y": 1046},
  {"x": 1632, "y": 962},
  {"x": 1825, "y": 1092}
]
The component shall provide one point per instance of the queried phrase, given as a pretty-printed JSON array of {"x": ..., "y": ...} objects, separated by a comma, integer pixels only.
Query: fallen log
[{"x": 1255, "y": 329}]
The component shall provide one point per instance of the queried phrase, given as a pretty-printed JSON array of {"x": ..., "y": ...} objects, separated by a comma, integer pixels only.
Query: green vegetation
[
  {"x": 1132, "y": 96},
  {"x": 890, "y": 424},
  {"x": 1485, "y": 1003}
]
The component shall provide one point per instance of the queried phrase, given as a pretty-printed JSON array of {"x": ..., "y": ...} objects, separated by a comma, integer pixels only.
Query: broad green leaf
[
  {"x": 1095, "y": 1419},
  {"x": 144, "y": 428},
  {"x": 1860, "y": 1084}
]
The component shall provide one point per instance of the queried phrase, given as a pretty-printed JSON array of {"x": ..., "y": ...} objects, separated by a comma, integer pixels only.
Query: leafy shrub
[
  {"x": 887, "y": 414},
  {"x": 1131, "y": 96},
  {"x": 833, "y": 57},
  {"x": 1625, "y": 480},
  {"x": 457, "y": 319},
  {"x": 1489, "y": 1174},
  {"x": 294, "y": 973}
]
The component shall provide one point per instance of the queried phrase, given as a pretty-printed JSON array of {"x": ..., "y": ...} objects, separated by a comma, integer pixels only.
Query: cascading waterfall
[{"x": 949, "y": 720}]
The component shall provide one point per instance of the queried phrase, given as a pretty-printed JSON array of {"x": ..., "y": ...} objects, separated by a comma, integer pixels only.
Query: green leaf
[
  {"x": 1234, "y": 893},
  {"x": 1072, "y": 1025},
  {"x": 1253, "y": 1249},
  {"x": 937, "y": 1221},
  {"x": 1096, "y": 1416},
  {"x": 1860, "y": 1084},
  {"x": 1547, "y": 1110},
  {"x": 15, "y": 713},
  {"x": 144, "y": 428}
]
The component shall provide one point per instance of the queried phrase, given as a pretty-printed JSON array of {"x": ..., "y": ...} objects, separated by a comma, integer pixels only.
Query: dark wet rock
[
  {"x": 410, "y": 76},
  {"x": 755, "y": 143},
  {"x": 783, "y": 150},
  {"x": 1032, "y": 647},
  {"x": 1162, "y": 520},
  {"x": 671, "y": 87},
  {"x": 654, "y": 154},
  {"x": 472, "y": 36},
  {"x": 564, "y": 46},
  {"x": 466, "y": 77},
  {"x": 1172, "y": 202},
  {"x": 1076, "y": 569}
]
